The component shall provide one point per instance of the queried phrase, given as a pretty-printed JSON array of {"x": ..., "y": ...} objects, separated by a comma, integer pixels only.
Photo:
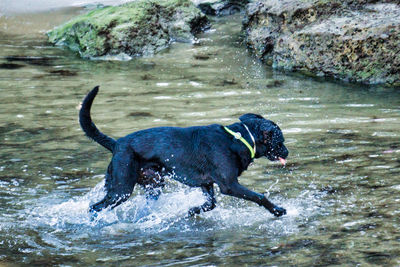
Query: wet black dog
[{"x": 196, "y": 156}]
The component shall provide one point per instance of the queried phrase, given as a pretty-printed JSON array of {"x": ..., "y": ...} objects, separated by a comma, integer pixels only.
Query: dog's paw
[
  {"x": 193, "y": 211},
  {"x": 93, "y": 215},
  {"x": 278, "y": 211}
]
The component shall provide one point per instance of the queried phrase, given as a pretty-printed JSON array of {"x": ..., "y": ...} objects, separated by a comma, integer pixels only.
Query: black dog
[{"x": 196, "y": 156}]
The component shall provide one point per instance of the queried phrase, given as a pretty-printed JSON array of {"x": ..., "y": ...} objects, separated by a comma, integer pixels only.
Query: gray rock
[
  {"x": 221, "y": 7},
  {"x": 138, "y": 28},
  {"x": 350, "y": 40}
]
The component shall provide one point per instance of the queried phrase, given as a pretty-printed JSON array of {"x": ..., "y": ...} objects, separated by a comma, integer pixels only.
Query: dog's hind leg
[
  {"x": 152, "y": 180},
  {"x": 121, "y": 178},
  {"x": 208, "y": 191}
]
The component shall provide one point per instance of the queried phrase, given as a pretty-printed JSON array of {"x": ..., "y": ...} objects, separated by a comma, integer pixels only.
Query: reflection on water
[
  {"x": 340, "y": 186},
  {"x": 34, "y": 6}
]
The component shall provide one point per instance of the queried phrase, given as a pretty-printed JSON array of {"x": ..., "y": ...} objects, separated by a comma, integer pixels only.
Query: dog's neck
[
  {"x": 239, "y": 133},
  {"x": 252, "y": 138}
]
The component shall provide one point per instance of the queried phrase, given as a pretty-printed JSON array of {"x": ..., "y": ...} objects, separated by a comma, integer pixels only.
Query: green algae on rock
[
  {"x": 138, "y": 28},
  {"x": 351, "y": 40}
]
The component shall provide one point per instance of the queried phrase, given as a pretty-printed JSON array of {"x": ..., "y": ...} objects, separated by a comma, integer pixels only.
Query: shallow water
[{"x": 341, "y": 184}]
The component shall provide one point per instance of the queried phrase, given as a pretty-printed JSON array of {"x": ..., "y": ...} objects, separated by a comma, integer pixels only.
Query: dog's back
[{"x": 187, "y": 153}]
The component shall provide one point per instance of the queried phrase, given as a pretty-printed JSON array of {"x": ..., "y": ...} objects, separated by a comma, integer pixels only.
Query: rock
[
  {"x": 353, "y": 40},
  {"x": 142, "y": 27},
  {"x": 221, "y": 7}
]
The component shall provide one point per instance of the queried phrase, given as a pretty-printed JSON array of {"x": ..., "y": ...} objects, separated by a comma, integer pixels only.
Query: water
[{"x": 341, "y": 184}]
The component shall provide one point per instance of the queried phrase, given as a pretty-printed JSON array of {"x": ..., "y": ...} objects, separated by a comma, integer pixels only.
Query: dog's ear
[
  {"x": 250, "y": 116},
  {"x": 267, "y": 136},
  {"x": 268, "y": 130}
]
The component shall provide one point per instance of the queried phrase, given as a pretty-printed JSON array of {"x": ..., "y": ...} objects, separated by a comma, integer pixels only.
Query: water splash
[{"x": 169, "y": 213}]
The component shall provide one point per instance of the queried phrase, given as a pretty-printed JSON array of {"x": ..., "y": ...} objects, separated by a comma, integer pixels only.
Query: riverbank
[{"x": 356, "y": 41}]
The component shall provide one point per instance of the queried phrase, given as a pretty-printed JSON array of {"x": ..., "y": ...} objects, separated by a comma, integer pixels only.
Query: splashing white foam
[{"x": 169, "y": 212}]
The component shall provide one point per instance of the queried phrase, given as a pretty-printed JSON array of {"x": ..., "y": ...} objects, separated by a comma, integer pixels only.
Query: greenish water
[{"x": 341, "y": 184}]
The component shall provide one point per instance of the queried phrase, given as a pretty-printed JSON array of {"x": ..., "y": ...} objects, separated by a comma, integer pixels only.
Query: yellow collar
[{"x": 239, "y": 136}]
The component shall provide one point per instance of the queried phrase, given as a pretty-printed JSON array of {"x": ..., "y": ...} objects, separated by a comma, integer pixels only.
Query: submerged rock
[
  {"x": 221, "y": 7},
  {"x": 142, "y": 27},
  {"x": 354, "y": 40}
]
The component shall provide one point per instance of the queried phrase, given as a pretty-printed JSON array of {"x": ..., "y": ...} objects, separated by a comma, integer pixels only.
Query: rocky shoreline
[
  {"x": 351, "y": 40},
  {"x": 139, "y": 28},
  {"x": 357, "y": 41}
]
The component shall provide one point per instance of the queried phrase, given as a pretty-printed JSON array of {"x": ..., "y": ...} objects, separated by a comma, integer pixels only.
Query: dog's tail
[{"x": 89, "y": 127}]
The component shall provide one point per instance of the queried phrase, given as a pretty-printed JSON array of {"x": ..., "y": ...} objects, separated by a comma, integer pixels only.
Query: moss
[{"x": 135, "y": 28}]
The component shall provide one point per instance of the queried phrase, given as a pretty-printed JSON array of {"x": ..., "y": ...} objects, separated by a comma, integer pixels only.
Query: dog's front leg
[
  {"x": 237, "y": 190},
  {"x": 208, "y": 191}
]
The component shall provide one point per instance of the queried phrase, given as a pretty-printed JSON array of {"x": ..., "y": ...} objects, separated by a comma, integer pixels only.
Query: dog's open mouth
[{"x": 282, "y": 160}]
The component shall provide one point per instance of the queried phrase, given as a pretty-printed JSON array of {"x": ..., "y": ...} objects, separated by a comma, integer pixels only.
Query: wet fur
[{"x": 198, "y": 156}]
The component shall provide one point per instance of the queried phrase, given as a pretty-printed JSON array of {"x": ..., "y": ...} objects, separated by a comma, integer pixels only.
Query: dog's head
[{"x": 268, "y": 136}]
